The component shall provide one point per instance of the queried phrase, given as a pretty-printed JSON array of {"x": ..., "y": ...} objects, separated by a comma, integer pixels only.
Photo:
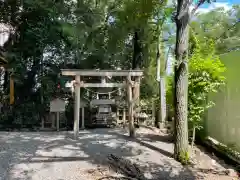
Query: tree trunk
[
  {"x": 163, "y": 105},
  {"x": 162, "y": 91},
  {"x": 137, "y": 51},
  {"x": 41, "y": 94},
  {"x": 137, "y": 62},
  {"x": 6, "y": 80},
  {"x": 158, "y": 79},
  {"x": 181, "y": 82}
]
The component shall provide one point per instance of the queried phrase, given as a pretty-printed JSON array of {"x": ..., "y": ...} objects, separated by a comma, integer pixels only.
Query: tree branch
[
  {"x": 200, "y": 2},
  {"x": 184, "y": 10},
  {"x": 182, "y": 13}
]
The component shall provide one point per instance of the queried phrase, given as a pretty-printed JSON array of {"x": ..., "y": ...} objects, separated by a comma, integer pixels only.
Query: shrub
[{"x": 205, "y": 76}]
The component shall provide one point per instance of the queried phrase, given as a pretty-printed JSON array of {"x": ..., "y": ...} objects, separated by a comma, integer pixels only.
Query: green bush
[{"x": 205, "y": 76}]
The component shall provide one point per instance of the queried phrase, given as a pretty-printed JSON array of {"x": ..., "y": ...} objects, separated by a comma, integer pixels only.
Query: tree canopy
[
  {"x": 221, "y": 26},
  {"x": 47, "y": 35}
]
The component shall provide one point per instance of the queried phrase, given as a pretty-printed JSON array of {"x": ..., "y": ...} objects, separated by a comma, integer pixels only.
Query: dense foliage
[
  {"x": 205, "y": 77},
  {"x": 221, "y": 26},
  {"x": 46, "y": 36}
]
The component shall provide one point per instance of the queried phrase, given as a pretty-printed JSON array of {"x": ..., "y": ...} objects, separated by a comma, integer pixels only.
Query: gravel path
[{"x": 56, "y": 156}]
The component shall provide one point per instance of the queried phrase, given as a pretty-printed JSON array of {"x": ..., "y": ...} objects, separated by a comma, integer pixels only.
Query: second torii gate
[{"x": 132, "y": 86}]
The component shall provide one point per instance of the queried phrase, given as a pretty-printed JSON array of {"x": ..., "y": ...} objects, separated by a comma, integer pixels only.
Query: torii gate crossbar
[{"x": 133, "y": 95}]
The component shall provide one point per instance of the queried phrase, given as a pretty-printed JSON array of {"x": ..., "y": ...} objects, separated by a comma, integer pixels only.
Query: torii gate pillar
[
  {"x": 103, "y": 73},
  {"x": 76, "y": 106}
]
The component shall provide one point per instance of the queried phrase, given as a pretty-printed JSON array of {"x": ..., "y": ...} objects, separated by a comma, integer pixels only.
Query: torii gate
[{"x": 132, "y": 86}]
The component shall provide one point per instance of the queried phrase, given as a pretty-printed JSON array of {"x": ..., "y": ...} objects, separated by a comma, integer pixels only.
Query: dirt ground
[{"x": 56, "y": 156}]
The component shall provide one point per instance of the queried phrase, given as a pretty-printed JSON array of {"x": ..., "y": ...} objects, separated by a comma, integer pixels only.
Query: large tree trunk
[
  {"x": 163, "y": 106},
  {"x": 137, "y": 51},
  {"x": 137, "y": 62},
  {"x": 161, "y": 72},
  {"x": 6, "y": 80},
  {"x": 181, "y": 82}
]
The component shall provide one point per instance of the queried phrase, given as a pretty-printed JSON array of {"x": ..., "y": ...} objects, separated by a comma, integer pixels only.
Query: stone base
[{"x": 161, "y": 125}]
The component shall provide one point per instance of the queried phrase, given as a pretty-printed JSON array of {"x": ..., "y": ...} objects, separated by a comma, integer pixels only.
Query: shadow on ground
[{"x": 28, "y": 155}]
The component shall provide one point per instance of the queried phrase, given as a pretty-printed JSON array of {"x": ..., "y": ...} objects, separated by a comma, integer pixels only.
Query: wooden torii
[{"x": 132, "y": 86}]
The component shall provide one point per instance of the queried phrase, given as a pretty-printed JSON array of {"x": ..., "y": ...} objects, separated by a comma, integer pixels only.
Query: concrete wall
[{"x": 223, "y": 120}]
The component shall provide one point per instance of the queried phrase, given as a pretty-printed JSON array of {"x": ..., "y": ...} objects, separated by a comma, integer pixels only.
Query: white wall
[{"x": 223, "y": 120}]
